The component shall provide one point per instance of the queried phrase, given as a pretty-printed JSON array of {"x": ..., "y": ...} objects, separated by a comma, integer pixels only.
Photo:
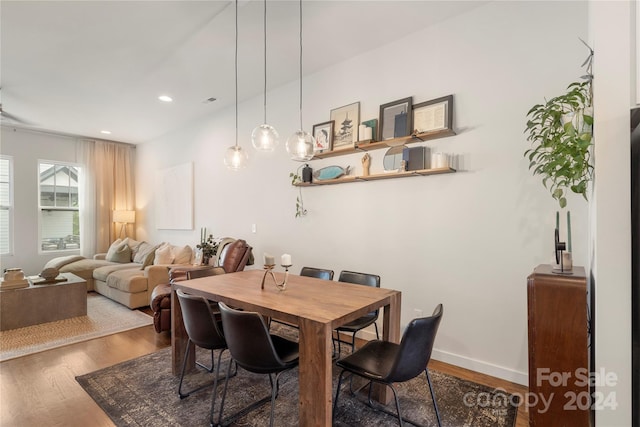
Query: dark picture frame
[
  {"x": 433, "y": 115},
  {"x": 346, "y": 121},
  {"x": 395, "y": 119},
  {"x": 323, "y": 136}
]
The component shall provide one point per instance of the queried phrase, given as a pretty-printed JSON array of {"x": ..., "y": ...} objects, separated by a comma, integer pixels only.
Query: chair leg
[
  {"x": 215, "y": 386},
  {"x": 184, "y": 366},
  {"x": 433, "y": 397},
  {"x": 395, "y": 396},
  {"x": 375, "y": 325},
  {"x": 274, "y": 394},
  {"x": 205, "y": 367},
  {"x": 335, "y": 401},
  {"x": 224, "y": 394}
]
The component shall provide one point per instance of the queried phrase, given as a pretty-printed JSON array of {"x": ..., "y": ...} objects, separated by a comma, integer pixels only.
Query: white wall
[
  {"x": 468, "y": 239},
  {"x": 27, "y": 148},
  {"x": 611, "y": 32}
]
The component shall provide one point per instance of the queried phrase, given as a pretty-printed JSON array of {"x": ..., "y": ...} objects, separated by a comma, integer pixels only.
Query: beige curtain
[{"x": 108, "y": 183}]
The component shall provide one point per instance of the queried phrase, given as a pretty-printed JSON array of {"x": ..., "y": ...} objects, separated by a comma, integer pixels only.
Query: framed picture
[
  {"x": 323, "y": 136},
  {"x": 395, "y": 119},
  {"x": 346, "y": 120},
  {"x": 433, "y": 115}
]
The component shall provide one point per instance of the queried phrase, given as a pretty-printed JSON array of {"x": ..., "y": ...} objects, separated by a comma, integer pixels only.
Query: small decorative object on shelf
[
  {"x": 331, "y": 172},
  {"x": 269, "y": 264},
  {"x": 306, "y": 173},
  {"x": 366, "y": 164}
]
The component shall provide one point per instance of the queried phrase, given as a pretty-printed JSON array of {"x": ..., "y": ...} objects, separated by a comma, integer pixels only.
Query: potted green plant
[
  {"x": 208, "y": 245},
  {"x": 560, "y": 132}
]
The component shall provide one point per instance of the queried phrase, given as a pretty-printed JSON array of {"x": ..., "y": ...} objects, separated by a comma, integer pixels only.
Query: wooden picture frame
[
  {"x": 346, "y": 120},
  {"x": 395, "y": 119},
  {"x": 323, "y": 137},
  {"x": 433, "y": 115}
]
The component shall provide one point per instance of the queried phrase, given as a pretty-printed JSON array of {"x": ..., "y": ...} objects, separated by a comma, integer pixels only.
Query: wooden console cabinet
[{"x": 558, "y": 348}]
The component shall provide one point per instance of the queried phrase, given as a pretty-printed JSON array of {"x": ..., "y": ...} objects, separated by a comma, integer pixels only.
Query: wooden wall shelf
[
  {"x": 361, "y": 146},
  {"x": 375, "y": 177}
]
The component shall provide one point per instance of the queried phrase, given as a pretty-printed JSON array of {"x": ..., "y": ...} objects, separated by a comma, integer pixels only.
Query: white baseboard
[
  {"x": 482, "y": 367},
  {"x": 467, "y": 363}
]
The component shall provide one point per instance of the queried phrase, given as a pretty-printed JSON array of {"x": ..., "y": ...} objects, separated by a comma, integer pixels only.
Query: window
[
  {"x": 6, "y": 204},
  {"x": 59, "y": 207}
]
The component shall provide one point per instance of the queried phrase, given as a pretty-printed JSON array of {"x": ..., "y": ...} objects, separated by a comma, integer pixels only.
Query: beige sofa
[{"x": 129, "y": 271}]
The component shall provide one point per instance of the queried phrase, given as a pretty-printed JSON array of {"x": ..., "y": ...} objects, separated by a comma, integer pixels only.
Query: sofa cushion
[
  {"x": 143, "y": 251},
  {"x": 82, "y": 267},
  {"x": 163, "y": 255},
  {"x": 58, "y": 262},
  {"x": 120, "y": 254},
  {"x": 129, "y": 280},
  {"x": 182, "y": 255},
  {"x": 101, "y": 273}
]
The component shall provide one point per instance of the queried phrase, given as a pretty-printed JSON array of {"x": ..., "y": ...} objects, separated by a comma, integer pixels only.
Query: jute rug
[
  {"x": 104, "y": 317},
  {"x": 143, "y": 392}
]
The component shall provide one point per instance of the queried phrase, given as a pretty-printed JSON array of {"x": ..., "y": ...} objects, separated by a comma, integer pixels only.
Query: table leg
[
  {"x": 390, "y": 332},
  {"x": 179, "y": 338},
  {"x": 315, "y": 378}
]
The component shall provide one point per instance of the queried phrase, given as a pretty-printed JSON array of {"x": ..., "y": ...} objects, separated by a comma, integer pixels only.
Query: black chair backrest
[
  {"x": 416, "y": 346},
  {"x": 318, "y": 273},
  {"x": 199, "y": 321},
  {"x": 365, "y": 279},
  {"x": 249, "y": 341},
  {"x": 204, "y": 272},
  {"x": 360, "y": 278}
]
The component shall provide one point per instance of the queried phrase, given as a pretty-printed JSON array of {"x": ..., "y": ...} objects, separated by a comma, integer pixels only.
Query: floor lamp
[{"x": 124, "y": 218}]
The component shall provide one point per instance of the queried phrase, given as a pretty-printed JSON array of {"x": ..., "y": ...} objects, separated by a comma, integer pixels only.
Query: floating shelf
[
  {"x": 375, "y": 177},
  {"x": 370, "y": 145}
]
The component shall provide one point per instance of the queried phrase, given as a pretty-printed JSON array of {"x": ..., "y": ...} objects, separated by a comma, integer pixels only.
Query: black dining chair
[
  {"x": 203, "y": 331},
  {"x": 254, "y": 349},
  {"x": 318, "y": 273},
  {"x": 386, "y": 363},
  {"x": 368, "y": 319}
]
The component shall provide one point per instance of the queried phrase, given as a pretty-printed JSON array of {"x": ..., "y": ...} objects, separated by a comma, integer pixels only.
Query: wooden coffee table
[{"x": 43, "y": 303}]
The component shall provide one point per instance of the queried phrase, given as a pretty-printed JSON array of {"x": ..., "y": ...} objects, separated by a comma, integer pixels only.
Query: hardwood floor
[{"x": 41, "y": 390}]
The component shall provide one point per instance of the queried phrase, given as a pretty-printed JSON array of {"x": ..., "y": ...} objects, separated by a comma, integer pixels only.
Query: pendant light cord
[
  {"x": 265, "y": 61},
  {"x": 236, "y": 72},
  {"x": 300, "y": 64}
]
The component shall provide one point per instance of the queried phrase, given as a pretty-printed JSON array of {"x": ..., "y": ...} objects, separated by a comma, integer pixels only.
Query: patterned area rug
[
  {"x": 104, "y": 317},
  {"x": 143, "y": 392}
]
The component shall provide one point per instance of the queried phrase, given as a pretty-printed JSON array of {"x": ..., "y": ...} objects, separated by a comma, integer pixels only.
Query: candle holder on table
[{"x": 268, "y": 269}]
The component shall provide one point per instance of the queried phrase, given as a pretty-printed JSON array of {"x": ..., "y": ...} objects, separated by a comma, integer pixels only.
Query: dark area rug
[{"x": 143, "y": 392}]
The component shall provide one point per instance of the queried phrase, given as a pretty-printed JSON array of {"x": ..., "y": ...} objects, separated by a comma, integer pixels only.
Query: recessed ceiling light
[
  {"x": 106, "y": 132},
  {"x": 165, "y": 98}
]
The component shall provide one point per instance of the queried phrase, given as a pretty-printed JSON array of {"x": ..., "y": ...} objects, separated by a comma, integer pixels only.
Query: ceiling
[{"x": 79, "y": 67}]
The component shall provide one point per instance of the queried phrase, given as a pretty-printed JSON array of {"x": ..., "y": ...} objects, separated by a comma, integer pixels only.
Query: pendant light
[
  {"x": 236, "y": 158},
  {"x": 265, "y": 137},
  {"x": 300, "y": 144}
]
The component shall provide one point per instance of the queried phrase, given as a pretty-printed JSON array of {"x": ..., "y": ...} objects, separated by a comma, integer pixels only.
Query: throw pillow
[
  {"x": 142, "y": 252},
  {"x": 134, "y": 245},
  {"x": 148, "y": 260},
  {"x": 163, "y": 255},
  {"x": 114, "y": 246},
  {"x": 122, "y": 254},
  {"x": 182, "y": 255}
]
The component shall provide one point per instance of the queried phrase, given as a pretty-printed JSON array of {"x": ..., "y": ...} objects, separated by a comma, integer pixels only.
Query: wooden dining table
[{"x": 317, "y": 306}]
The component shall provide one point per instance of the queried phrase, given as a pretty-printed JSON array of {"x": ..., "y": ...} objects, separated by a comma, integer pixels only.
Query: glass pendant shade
[
  {"x": 264, "y": 137},
  {"x": 300, "y": 146},
  {"x": 235, "y": 158}
]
